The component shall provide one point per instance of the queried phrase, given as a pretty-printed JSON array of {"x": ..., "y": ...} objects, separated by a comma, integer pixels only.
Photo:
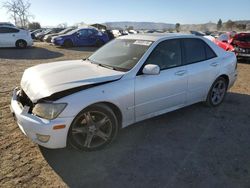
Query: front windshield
[
  {"x": 65, "y": 31},
  {"x": 120, "y": 54},
  {"x": 73, "y": 31}
]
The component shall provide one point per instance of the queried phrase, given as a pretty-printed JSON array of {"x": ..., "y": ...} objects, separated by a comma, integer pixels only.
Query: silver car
[{"x": 86, "y": 102}]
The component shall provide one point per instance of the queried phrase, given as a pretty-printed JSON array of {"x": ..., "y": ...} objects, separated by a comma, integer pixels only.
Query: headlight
[{"x": 48, "y": 110}]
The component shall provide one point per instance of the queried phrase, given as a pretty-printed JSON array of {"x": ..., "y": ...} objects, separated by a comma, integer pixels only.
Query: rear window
[
  {"x": 196, "y": 50},
  {"x": 209, "y": 52}
]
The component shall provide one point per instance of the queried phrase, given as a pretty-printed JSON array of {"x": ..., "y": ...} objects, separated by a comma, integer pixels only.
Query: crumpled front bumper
[{"x": 34, "y": 127}]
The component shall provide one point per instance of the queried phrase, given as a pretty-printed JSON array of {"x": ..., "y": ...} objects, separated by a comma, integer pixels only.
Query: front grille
[
  {"x": 24, "y": 99},
  {"x": 247, "y": 50}
]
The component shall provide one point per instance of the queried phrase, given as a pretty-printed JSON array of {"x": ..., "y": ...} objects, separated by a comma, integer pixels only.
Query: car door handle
[
  {"x": 214, "y": 64},
  {"x": 181, "y": 73}
]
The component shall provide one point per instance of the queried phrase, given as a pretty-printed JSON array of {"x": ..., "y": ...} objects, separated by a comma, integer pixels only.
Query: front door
[{"x": 157, "y": 94}]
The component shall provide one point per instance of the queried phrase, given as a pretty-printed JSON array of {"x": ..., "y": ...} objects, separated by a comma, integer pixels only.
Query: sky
[{"x": 54, "y": 12}]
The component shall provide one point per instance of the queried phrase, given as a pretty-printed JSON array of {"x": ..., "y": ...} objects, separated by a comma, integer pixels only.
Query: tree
[
  {"x": 34, "y": 25},
  {"x": 230, "y": 24},
  {"x": 177, "y": 27},
  {"x": 19, "y": 11},
  {"x": 219, "y": 25},
  {"x": 241, "y": 26}
]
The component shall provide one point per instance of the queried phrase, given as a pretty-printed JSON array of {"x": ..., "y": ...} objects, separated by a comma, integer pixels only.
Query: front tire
[
  {"x": 217, "y": 92},
  {"x": 93, "y": 128},
  {"x": 68, "y": 44},
  {"x": 21, "y": 44},
  {"x": 99, "y": 43}
]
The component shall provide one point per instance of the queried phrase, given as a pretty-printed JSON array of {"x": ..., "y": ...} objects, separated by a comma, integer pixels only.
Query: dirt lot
[{"x": 192, "y": 147}]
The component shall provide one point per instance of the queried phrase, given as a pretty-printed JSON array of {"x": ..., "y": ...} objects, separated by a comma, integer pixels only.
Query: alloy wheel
[
  {"x": 92, "y": 129},
  {"x": 218, "y": 92}
]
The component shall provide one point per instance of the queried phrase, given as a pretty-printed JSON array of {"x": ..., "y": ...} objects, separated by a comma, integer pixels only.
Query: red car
[{"x": 239, "y": 41}]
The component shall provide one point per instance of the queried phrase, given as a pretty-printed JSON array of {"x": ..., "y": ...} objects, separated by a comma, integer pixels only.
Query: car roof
[
  {"x": 154, "y": 36},
  {"x": 9, "y": 26}
]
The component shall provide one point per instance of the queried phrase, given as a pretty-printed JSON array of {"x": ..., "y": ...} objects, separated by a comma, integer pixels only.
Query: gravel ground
[{"x": 193, "y": 147}]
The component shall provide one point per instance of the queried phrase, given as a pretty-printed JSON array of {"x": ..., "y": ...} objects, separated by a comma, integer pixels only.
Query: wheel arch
[
  {"x": 226, "y": 77},
  {"x": 117, "y": 111},
  {"x": 70, "y": 40},
  {"x": 20, "y": 40},
  {"x": 113, "y": 107}
]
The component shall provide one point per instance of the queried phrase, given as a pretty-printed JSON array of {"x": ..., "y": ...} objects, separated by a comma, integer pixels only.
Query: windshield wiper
[
  {"x": 112, "y": 67},
  {"x": 106, "y": 66}
]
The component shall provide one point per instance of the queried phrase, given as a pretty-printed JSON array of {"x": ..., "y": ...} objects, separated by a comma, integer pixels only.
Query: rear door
[
  {"x": 202, "y": 66},
  {"x": 92, "y": 36},
  {"x": 85, "y": 37},
  {"x": 8, "y": 36},
  {"x": 157, "y": 94}
]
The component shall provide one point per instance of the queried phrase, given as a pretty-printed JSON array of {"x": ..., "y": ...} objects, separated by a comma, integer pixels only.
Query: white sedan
[
  {"x": 14, "y": 37},
  {"x": 85, "y": 102}
]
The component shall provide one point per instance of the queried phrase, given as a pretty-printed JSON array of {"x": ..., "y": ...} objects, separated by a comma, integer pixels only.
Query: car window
[
  {"x": 92, "y": 32},
  {"x": 167, "y": 54},
  {"x": 83, "y": 33},
  {"x": 247, "y": 39},
  {"x": 243, "y": 39},
  {"x": 8, "y": 30},
  {"x": 209, "y": 52},
  {"x": 194, "y": 50}
]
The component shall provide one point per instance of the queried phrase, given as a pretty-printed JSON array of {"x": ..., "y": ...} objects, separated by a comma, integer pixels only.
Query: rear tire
[
  {"x": 99, "y": 43},
  {"x": 68, "y": 44},
  {"x": 217, "y": 92},
  {"x": 21, "y": 44},
  {"x": 93, "y": 128}
]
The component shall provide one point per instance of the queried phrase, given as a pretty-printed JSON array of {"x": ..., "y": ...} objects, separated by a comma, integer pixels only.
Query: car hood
[{"x": 46, "y": 79}]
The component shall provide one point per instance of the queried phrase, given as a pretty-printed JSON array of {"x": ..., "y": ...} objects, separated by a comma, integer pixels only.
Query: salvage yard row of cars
[{"x": 11, "y": 36}]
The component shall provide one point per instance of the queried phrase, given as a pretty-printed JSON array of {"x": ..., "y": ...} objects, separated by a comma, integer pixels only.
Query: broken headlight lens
[{"x": 48, "y": 110}]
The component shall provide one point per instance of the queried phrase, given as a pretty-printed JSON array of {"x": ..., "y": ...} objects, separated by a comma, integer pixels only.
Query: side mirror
[{"x": 151, "y": 69}]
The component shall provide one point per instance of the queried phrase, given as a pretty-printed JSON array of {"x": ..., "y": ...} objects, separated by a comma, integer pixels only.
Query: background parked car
[
  {"x": 241, "y": 43},
  {"x": 81, "y": 37},
  {"x": 14, "y": 37},
  {"x": 116, "y": 33},
  {"x": 110, "y": 34},
  {"x": 7, "y": 24},
  {"x": 33, "y": 33},
  {"x": 47, "y": 38},
  {"x": 41, "y": 35},
  {"x": 198, "y": 33}
]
